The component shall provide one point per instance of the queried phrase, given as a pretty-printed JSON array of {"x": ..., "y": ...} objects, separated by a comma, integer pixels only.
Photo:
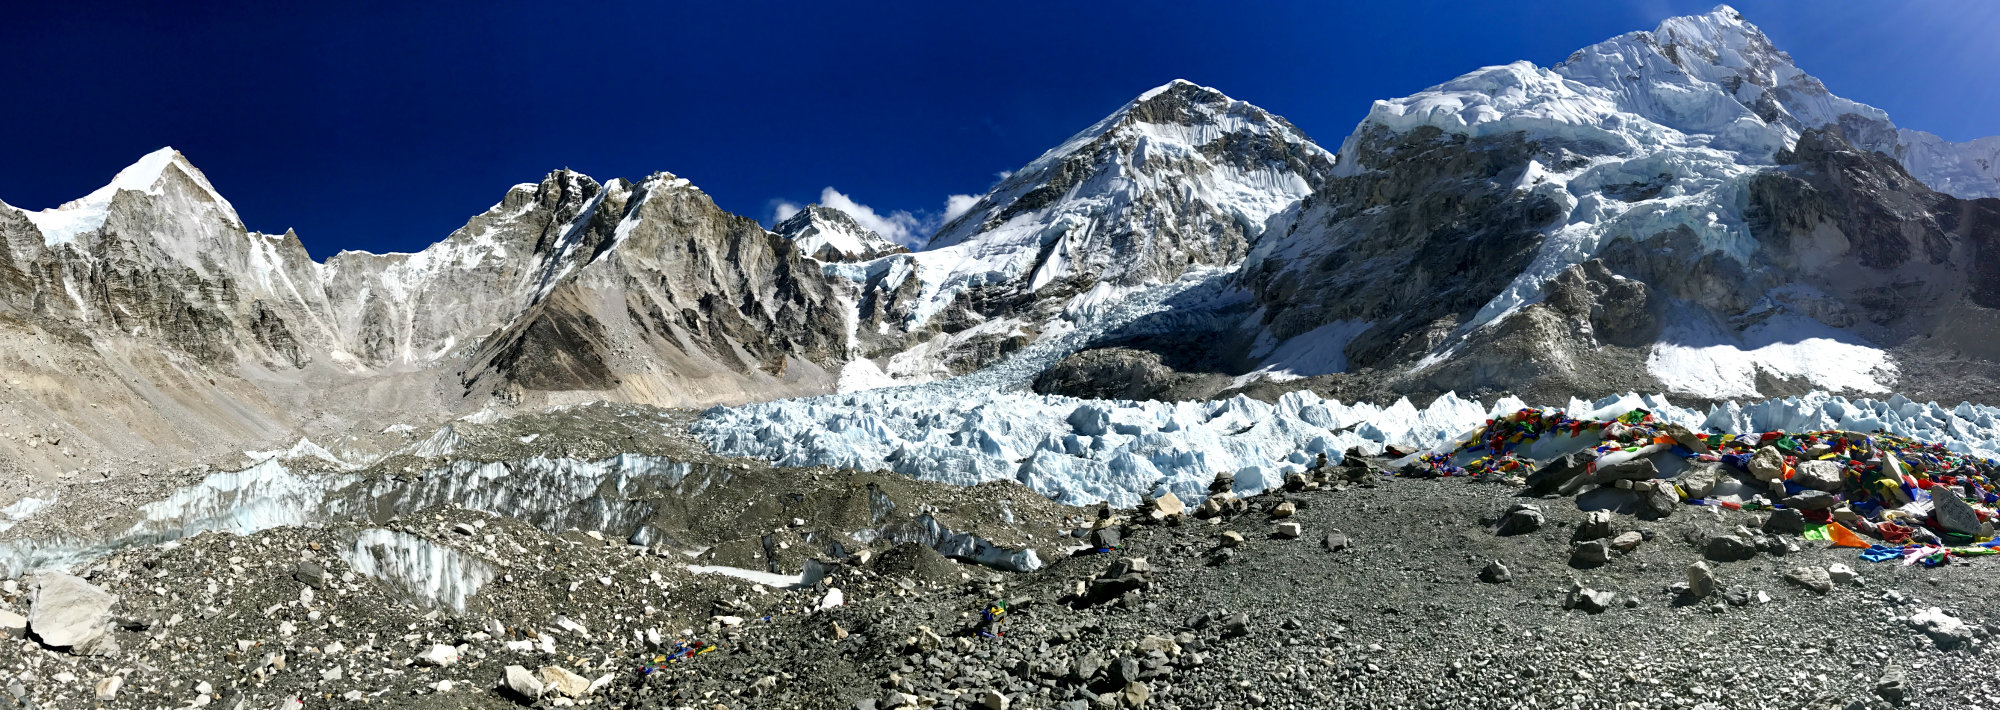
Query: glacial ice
[
  {"x": 1080, "y": 452},
  {"x": 426, "y": 571}
]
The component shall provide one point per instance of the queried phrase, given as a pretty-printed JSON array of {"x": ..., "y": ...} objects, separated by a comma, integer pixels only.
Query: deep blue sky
[{"x": 383, "y": 127}]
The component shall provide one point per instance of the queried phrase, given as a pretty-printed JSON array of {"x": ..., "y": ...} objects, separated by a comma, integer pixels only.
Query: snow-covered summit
[
  {"x": 828, "y": 234},
  {"x": 61, "y": 225}
]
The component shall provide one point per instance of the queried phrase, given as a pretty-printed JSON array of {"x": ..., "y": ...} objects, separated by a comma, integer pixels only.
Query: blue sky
[{"x": 383, "y": 127}]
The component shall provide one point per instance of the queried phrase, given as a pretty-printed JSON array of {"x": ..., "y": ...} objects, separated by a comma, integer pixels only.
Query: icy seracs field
[{"x": 1084, "y": 451}]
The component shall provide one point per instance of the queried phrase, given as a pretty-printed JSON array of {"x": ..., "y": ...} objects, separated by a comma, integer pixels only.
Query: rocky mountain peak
[{"x": 830, "y": 235}]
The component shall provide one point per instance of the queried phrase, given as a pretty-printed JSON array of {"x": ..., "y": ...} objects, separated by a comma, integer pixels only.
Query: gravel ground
[{"x": 1400, "y": 618}]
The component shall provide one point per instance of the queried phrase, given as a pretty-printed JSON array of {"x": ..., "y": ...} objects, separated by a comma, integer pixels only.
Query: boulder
[
  {"x": 522, "y": 683},
  {"x": 1284, "y": 510},
  {"x": 1812, "y": 500},
  {"x": 1639, "y": 469},
  {"x": 1559, "y": 472},
  {"x": 1596, "y": 525},
  {"x": 1588, "y": 600},
  {"x": 1841, "y": 574},
  {"x": 990, "y": 699},
  {"x": 1818, "y": 475},
  {"x": 1590, "y": 554},
  {"x": 1686, "y": 438},
  {"x": 1701, "y": 580},
  {"x": 1953, "y": 513},
  {"x": 1627, "y": 541},
  {"x": 562, "y": 680},
  {"x": 1167, "y": 506},
  {"x": 1810, "y": 577},
  {"x": 1728, "y": 548},
  {"x": 1788, "y": 521},
  {"x": 1522, "y": 519},
  {"x": 1945, "y": 630},
  {"x": 1337, "y": 541},
  {"x": 1231, "y": 538},
  {"x": 1288, "y": 530},
  {"x": 1658, "y": 501},
  {"x": 1495, "y": 573},
  {"x": 1768, "y": 464},
  {"x": 67, "y": 612},
  {"x": 1699, "y": 480},
  {"x": 439, "y": 655}
]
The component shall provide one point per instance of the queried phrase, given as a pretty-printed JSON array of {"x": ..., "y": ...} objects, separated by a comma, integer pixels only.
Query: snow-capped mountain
[
  {"x": 188, "y": 334},
  {"x": 1614, "y": 221},
  {"x": 1180, "y": 178},
  {"x": 828, "y": 234}
]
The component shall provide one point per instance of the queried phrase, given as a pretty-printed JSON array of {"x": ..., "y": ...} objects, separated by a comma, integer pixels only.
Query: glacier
[{"x": 1080, "y": 452}]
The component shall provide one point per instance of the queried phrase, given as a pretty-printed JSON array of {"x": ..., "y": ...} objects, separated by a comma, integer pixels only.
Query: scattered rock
[
  {"x": 1945, "y": 630},
  {"x": 1337, "y": 541},
  {"x": 1167, "y": 506},
  {"x": 561, "y": 680},
  {"x": 1841, "y": 574},
  {"x": 1596, "y": 525},
  {"x": 523, "y": 683},
  {"x": 1810, "y": 577},
  {"x": 1231, "y": 538},
  {"x": 1284, "y": 510},
  {"x": 1787, "y": 521},
  {"x": 1893, "y": 687},
  {"x": 1589, "y": 600},
  {"x": 1728, "y": 548},
  {"x": 1288, "y": 530},
  {"x": 993, "y": 700},
  {"x": 1495, "y": 573},
  {"x": 439, "y": 655},
  {"x": 1700, "y": 580},
  {"x": 1522, "y": 519},
  {"x": 309, "y": 573},
  {"x": 107, "y": 688},
  {"x": 1590, "y": 554},
  {"x": 1627, "y": 541}
]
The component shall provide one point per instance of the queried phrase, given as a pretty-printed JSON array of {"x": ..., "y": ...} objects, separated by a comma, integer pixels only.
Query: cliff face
[{"x": 144, "y": 324}]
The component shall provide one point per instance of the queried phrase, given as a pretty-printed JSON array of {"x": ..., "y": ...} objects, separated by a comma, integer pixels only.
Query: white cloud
[
  {"x": 782, "y": 210},
  {"x": 900, "y": 226},
  {"x": 955, "y": 205}
]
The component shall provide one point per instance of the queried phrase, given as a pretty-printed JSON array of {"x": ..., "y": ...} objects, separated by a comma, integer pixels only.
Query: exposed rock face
[
  {"x": 1681, "y": 210},
  {"x": 1181, "y": 178},
  {"x": 195, "y": 338}
]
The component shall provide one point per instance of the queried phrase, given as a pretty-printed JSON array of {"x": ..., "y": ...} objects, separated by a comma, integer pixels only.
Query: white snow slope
[{"x": 1702, "y": 103}]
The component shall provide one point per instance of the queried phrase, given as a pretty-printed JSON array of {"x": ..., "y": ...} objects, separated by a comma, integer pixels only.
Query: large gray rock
[
  {"x": 1728, "y": 548},
  {"x": 1596, "y": 524},
  {"x": 1768, "y": 464},
  {"x": 1953, "y": 513},
  {"x": 1590, "y": 554},
  {"x": 1818, "y": 475},
  {"x": 1810, "y": 577},
  {"x": 1701, "y": 580},
  {"x": 1521, "y": 520},
  {"x": 1788, "y": 521},
  {"x": 1812, "y": 500},
  {"x": 1558, "y": 473},
  {"x": 1699, "y": 480},
  {"x": 67, "y": 612}
]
